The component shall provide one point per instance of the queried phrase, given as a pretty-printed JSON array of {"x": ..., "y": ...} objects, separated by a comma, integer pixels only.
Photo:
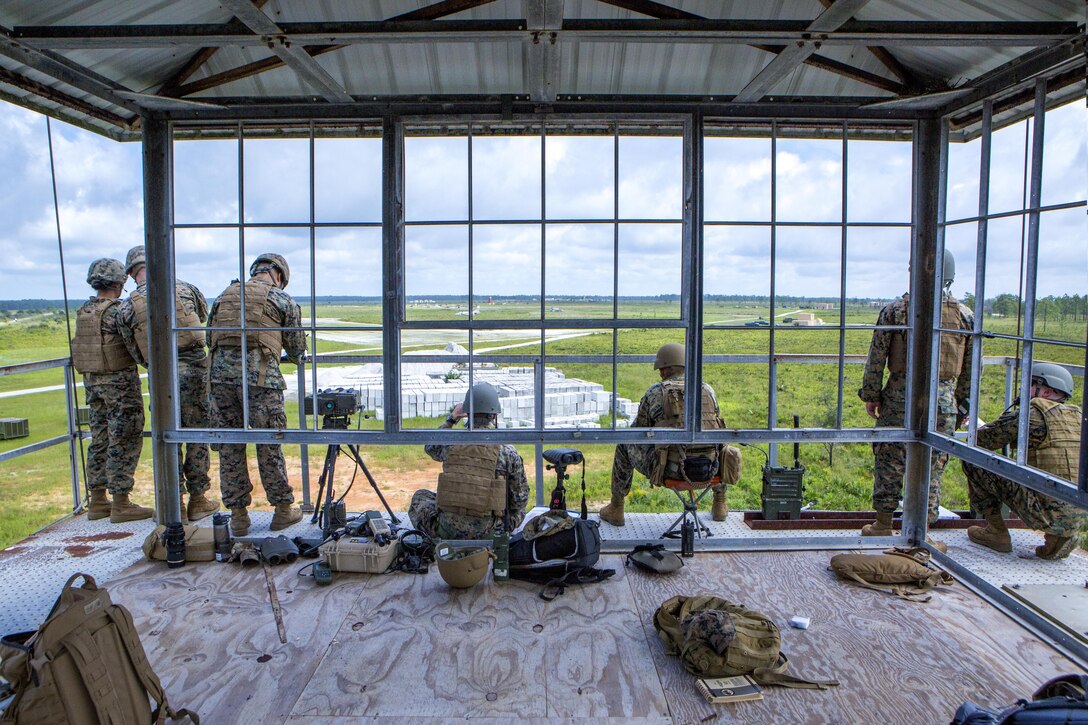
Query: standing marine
[
  {"x": 267, "y": 309},
  {"x": 887, "y": 401},
  {"x": 190, "y": 313},
  {"x": 1054, "y": 430},
  {"x": 480, "y": 485},
  {"x": 663, "y": 407},
  {"x": 112, "y": 386}
]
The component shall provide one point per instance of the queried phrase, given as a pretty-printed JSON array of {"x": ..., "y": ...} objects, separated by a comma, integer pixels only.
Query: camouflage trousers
[
  {"x": 425, "y": 516},
  {"x": 117, "y": 425},
  {"x": 631, "y": 457},
  {"x": 194, "y": 459},
  {"x": 1039, "y": 511},
  {"x": 890, "y": 459},
  {"x": 265, "y": 411}
]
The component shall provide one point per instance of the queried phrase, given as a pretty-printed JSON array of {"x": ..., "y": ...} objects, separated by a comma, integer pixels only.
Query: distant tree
[
  {"x": 1005, "y": 305},
  {"x": 969, "y": 300}
]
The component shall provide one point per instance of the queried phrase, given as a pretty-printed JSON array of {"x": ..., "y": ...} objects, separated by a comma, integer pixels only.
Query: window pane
[
  {"x": 436, "y": 272},
  {"x": 807, "y": 389},
  {"x": 962, "y": 241},
  {"x": 877, "y": 262},
  {"x": 505, "y": 177},
  {"x": 207, "y": 258},
  {"x": 879, "y": 181},
  {"x": 737, "y": 185},
  {"x": 436, "y": 179},
  {"x": 741, "y": 387},
  {"x": 807, "y": 264},
  {"x": 430, "y": 390},
  {"x": 206, "y": 182},
  {"x": 1065, "y": 154},
  {"x": 348, "y": 179},
  {"x": 579, "y": 177},
  {"x": 809, "y": 180},
  {"x": 506, "y": 271},
  {"x": 649, "y": 270},
  {"x": 1062, "y": 275},
  {"x": 1004, "y": 247},
  {"x": 651, "y": 177},
  {"x": 1007, "y": 168},
  {"x": 963, "y": 178},
  {"x": 277, "y": 180},
  {"x": 349, "y": 262},
  {"x": 579, "y": 274},
  {"x": 736, "y": 274}
]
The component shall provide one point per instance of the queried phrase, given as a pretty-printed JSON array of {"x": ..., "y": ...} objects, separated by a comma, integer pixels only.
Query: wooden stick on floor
[{"x": 275, "y": 602}]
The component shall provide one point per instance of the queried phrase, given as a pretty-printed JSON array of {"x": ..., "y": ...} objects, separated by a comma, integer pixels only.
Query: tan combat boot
[
  {"x": 938, "y": 545},
  {"x": 994, "y": 535},
  {"x": 719, "y": 511},
  {"x": 239, "y": 521},
  {"x": 200, "y": 506},
  {"x": 612, "y": 513},
  {"x": 99, "y": 506},
  {"x": 1056, "y": 547},
  {"x": 881, "y": 527},
  {"x": 124, "y": 510},
  {"x": 285, "y": 515}
]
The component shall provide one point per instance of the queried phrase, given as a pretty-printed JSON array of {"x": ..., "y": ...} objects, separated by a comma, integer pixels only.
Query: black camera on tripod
[{"x": 333, "y": 402}]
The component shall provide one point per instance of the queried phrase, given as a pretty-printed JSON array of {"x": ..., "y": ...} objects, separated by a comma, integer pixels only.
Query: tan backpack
[
  {"x": 755, "y": 650},
  {"x": 903, "y": 572},
  {"x": 84, "y": 666},
  {"x": 199, "y": 544}
]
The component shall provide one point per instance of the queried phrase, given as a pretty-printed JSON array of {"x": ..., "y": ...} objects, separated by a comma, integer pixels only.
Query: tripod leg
[
  {"x": 328, "y": 472},
  {"x": 373, "y": 484}
]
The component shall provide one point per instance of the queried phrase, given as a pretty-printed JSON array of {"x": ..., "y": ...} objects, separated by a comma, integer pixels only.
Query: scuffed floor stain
[{"x": 104, "y": 536}]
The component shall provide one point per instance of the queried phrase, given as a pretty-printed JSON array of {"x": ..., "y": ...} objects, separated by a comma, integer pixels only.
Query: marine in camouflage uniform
[
  {"x": 194, "y": 459},
  {"x": 112, "y": 386},
  {"x": 424, "y": 510},
  {"x": 1054, "y": 433},
  {"x": 267, "y": 306},
  {"x": 631, "y": 457},
  {"x": 888, "y": 350}
]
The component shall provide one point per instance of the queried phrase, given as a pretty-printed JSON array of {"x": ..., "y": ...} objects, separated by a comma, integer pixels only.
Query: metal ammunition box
[
  {"x": 14, "y": 428},
  {"x": 783, "y": 489}
]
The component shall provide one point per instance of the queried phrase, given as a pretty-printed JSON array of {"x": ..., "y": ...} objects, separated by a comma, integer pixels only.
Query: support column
[
  {"x": 392, "y": 268},
  {"x": 162, "y": 364},
  {"x": 923, "y": 285}
]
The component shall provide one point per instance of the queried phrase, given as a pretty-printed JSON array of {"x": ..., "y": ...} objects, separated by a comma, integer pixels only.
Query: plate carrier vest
[
  {"x": 1059, "y": 452},
  {"x": 260, "y": 314},
  {"x": 94, "y": 351},
  {"x": 187, "y": 339},
  {"x": 669, "y": 463},
  {"x": 952, "y": 346},
  {"x": 469, "y": 485}
]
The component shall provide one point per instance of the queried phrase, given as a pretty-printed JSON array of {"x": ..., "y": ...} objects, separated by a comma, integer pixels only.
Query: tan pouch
[
  {"x": 199, "y": 544},
  {"x": 903, "y": 572}
]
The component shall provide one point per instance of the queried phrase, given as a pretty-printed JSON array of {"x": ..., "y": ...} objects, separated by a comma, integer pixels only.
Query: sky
[{"x": 99, "y": 189}]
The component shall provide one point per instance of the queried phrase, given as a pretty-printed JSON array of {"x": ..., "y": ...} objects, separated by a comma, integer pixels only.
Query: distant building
[{"x": 825, "y": 306}]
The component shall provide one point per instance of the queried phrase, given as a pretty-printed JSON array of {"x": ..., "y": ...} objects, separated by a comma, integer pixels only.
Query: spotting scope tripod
[{"x": 328, "y": 472}]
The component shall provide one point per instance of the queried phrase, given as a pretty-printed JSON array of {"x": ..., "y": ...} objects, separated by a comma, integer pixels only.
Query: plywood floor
[{"x": 406, "y": 648}]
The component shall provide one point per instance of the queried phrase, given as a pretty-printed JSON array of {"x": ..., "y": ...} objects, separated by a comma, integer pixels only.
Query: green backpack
[{"x": 754, "y": 651}]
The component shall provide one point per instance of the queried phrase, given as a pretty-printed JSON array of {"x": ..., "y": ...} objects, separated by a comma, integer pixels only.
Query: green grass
[{"x": 37, "y": 488}]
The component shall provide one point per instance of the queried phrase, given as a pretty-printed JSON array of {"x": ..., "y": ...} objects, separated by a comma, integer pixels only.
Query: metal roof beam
[
  {"x": 544, "y": 18},
  {"x": 843, "y": 69},
  {"x": 395, "y": 30},
  {"x": 886, "y": 59},
  {"x": 442, "y": 9},
  {"x": 653, "y": 9},
  {"x": 194, "y": 63},
  {"x": 53, "y": 95},
  {"x": 295, "y": 56},
  {"x": 64, "y": 70},
  {"x": 793, "y": 56}
]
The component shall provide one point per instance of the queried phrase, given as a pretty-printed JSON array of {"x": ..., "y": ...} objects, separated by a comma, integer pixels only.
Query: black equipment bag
[
  {"x": 555, "y": 560},
  {"x": 1063, "y": 699}
]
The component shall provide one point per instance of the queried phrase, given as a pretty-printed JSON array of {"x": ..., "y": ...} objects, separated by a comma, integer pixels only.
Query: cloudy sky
[{"x": 99, "y": 188}]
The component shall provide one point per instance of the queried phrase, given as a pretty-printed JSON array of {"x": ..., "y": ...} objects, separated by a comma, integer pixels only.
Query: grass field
[{"x": 37, "y": 488}]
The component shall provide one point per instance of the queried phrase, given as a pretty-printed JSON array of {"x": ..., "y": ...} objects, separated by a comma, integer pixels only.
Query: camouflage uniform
[
  {"x": 266, "y": 410},
  {"x": 116, "y": 420},
  {"x": 712, "y": 626},
  {"x": 641, "y": 457},
  {"x": 425, "y": 516},
  {"x": 890, "y": 458},
  {"x": 194, "y": 459},
  {"x": 989, "y": 490}
]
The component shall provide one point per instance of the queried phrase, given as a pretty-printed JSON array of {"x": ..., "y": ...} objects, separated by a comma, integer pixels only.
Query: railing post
[{"x": 73, "y": 432}]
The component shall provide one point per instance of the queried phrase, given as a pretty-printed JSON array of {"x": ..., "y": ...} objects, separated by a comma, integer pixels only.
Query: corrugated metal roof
[{"x": 684, "y": 61}]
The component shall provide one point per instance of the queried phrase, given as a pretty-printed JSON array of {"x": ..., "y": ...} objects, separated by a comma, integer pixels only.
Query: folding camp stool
[{"x": 690, "y": 503}]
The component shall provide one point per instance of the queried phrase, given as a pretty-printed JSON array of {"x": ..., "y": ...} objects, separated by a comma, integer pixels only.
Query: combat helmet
[
  {"x": 274, "y": 261},
  {"x": 654, "y": 558},
  {"x": 134, "y": 259},
  {"x": 948, "y": 269},
  {"x": 670, "y": 355},
  {"x": 105, "y": 272},
  {"x": 485, "y": 400},
  {"x": 461, "y": 567},
  {"x": 1053, "y": 376}
]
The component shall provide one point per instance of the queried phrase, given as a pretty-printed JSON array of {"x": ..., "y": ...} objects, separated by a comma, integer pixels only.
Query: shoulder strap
[
  {"x": 902, "y": 591},
  {"x": 776, "y": 675},
  {"x": 581, "y": 575},
  {"x": 95, "y": 675},
  {"x": 122, "y": 620}
]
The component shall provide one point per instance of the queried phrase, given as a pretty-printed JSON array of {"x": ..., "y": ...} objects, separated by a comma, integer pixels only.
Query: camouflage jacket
[
  {"x": 227, "y": 361},
  {"x": 190, "y": 297},
  {"x": 651, "y": 409},
  {"x": 1004, "y": 431},
  {"x": 509, "y": 465},
  {"x": 895, "y": 314},
  {"x": 111, "y": 323}
]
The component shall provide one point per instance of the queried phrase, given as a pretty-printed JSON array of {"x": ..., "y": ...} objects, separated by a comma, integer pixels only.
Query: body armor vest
[
  {"x": 1059, "y": 452},
  {"x": 94, "y": 351},
  {"x": 672, "y": 458},
  {"x": 187, "y": 339},
  {"x": 952, "y": 346},
  {"x": 469, "y": 485},
  {"x": 260, "y": 313}
]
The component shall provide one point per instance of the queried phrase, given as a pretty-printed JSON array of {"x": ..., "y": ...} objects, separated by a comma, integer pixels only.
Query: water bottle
[
  {"x": 174, "y": 538},
  {"x": 501, "y": 546},
  {"x": 221, "y": 529}
]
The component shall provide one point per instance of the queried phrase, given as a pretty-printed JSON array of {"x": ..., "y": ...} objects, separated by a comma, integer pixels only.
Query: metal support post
[
  {"x": 927, "y": 169},
  {"x": 392, "y": 268},
  {"x": 1082, "y": 484},
  {"x": 691, "y": 289},
  {"x": 772, "y": 365},
  {"x": 980, "y": 268},
  {"x": 73, "y": 433},
  {"x": 162, "y": 365}
]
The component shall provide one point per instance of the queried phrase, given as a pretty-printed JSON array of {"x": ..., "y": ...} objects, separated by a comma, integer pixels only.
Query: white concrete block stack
[{"x": 431, "y": 390}]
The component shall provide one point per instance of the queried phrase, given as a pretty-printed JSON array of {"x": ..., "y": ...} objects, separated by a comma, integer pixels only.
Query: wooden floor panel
[{"x": 378, "y": 649}]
